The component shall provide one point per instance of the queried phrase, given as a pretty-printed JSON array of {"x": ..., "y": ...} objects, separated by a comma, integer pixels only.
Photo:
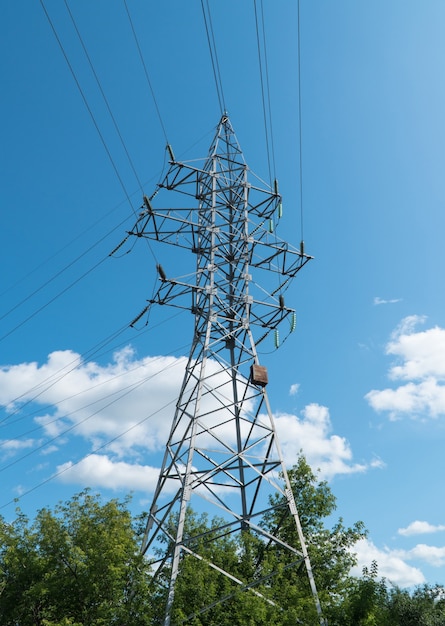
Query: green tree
[
  {"x": 330, "y": 549},
  {"x": 77, "y": 566},
  {"x": 80, "y": 565},
  {"x": 371, "y": 602},
  {"x": 203, "y": 595},
  {"x": 366, "y": 602},
  {"x": 425, "y": 606},
  {"x": 281, "y": 594}
]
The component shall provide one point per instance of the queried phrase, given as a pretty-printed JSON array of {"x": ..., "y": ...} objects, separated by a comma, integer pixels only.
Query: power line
[
  {"x": 59, "y": 251},
  {"x": 266, "y": 65},
  {"x": 44, "y": 306},
  {"x": 111, "y": 160},
  {"x": 51, "y": 279},
  {"x": 71, "y": 397},
  {"x": 103, "y": 95},
  {"x": 57, "y": 376},
  {"x": 146, "y": 73},
  {"x": 56, "y": 275},
  {"x": 110, "y": 111},
  {"x": 98, "y": 449},
  {"x": 263, "y": 97},
  {"x": 122, "y": 393},
  {"x": 299, "y": 120},
  {"x": 213, "y": 55},
  {"x": 116, "y": 171},
  {"x": 84, "y": 358}
]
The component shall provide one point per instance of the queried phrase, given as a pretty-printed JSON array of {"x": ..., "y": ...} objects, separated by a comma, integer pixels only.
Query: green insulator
[
  {"x": 277, "y": 338},
  {"x": 293, "y": 322},
  {"x": 280, "y": 210},
  {"x": 271, "y": 225}
]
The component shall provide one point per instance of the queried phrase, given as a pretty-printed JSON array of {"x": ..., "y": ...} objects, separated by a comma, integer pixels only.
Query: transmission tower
[{"x": 223, "y": 454}]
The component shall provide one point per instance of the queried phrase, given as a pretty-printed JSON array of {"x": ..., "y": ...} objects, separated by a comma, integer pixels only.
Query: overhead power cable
[
  {"x": 44, "y": 306},
  {"x": 58, "y": 252},
  {"x": 265, "y": 90},
  {"x": 95, "y": 451},
  {"x": 150, "y": 86},
  {"x": 213, "y": 54},
  {"x": 39, "y": 410},
  {"x": 116, "y": 171},
  {"x": 55, "y": 276},
  {"x": 299, "y": 120},
  {"x": 103, "y": 95},
  {"x": 120, "y": 393},
  {"x": 44, "y": 385},
  {"x": 269, "y": 106}
]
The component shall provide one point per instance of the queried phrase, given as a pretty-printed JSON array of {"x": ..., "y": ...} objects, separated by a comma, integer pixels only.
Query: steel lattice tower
[{"x": 223, "y": 447}]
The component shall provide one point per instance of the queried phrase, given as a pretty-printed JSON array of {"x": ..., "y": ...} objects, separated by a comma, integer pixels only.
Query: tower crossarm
[{"x": 278, "y": 256}]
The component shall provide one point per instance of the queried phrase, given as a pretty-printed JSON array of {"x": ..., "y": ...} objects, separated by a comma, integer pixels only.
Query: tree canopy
[
  {"x": 80, "y": 565},
  {"x": 76, "y": 566},
  {"x": 280, "y": 592}
]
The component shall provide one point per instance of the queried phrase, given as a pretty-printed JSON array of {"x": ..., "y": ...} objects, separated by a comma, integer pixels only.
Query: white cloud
[
  {"x": 378, "y": 301},
  {"x": 330, "y": 453},
  {"x": 128, "y": 406},
  {"x": 421, "y": 353},
  {"x": 420, "y": 370},
  {"x": 294, "y": 389},
  {"x": 391, "y": 564},
  {"x": 16, "y": 444},
  {"x": 100, "y": 471},
  {"x": 433, "y": 555},
  {"x": 426, "y": 398},
  {"x": 129, "y": 400},
  {"x": 10, "y": 447},
  {"x": 407, "y": 325},
  {"x": 420, "y": 528},
  {"x": 50, "y": 449}
]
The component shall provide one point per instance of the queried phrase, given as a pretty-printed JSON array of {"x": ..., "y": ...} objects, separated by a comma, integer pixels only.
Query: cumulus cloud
[
  {"x": 433, "y": 555},
  {"x": 124, "y": 411},
  {"x": 98, "y": 470},
  {"x": 418, "y": 372},
  {"x": 129, "y": 401},
  {"x": 311, "y": 432},
  {"x": 420, "y": 528},
  {"x": 391, "y": 563}
]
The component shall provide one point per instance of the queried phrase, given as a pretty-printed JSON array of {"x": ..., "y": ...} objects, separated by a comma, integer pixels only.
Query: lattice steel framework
[{"x": 223, "y": 448}]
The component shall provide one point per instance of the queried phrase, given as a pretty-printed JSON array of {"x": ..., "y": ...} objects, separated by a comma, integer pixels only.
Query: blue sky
[{"x": 360, "y": 384}]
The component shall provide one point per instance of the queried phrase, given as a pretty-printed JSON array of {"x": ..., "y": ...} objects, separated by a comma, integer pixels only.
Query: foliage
[
  {"x": 330, "y": 549},
  {"x": 78, "y": 566},
  {"x": 203, "y": 595},
  {"x": 280, "y": 594},
  {"x": 424, "y": 607},
  {"x": 371, "y": 602},
  {"x": 365, "y": 603}
]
